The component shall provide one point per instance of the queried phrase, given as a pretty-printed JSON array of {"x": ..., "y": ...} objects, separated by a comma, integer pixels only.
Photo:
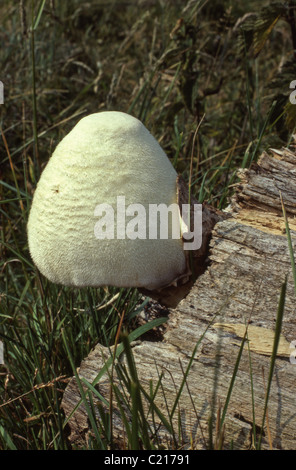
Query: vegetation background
[{"x": 209, "y": 78}]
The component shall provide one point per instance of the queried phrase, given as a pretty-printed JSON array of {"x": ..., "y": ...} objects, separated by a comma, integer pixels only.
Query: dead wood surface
[{"x": 249, "y": 261}]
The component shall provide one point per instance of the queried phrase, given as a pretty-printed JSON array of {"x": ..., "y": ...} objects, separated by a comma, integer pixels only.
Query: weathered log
[{"x": 249, "y": 262}]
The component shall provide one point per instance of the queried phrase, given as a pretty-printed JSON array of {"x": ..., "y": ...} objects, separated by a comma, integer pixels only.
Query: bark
[{"x": 249, "y": 261}]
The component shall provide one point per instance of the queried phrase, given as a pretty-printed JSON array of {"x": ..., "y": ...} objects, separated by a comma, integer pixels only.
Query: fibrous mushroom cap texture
[{"x": 106, "y": 155}]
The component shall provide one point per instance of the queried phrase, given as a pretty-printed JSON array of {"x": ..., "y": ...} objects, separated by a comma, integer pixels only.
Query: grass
[{"x": 188, "y": 71}]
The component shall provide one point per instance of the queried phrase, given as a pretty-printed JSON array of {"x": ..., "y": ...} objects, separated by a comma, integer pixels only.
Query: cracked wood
[{"x": 248, "y": 262}]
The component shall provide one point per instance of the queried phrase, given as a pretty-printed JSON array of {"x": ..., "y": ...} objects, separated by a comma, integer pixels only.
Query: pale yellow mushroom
[{"x": 106, "y": 159}]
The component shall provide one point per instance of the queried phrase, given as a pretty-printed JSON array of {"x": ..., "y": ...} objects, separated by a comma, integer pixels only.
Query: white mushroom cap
[{"x": 106, "y": 155}]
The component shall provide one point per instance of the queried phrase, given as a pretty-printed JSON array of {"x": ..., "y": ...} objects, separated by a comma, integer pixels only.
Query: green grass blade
[
  {"x": 7, "y": 439},
  {"x": 132, "y": 337},
  {"x": 185, "y": 375},
  {"x": 290, "y": 244},
  {"x": 278, "y": 328},
  {"x": 83, "y": 395},
  {"x": 119, "y": 350},
  {"x": 137, "y": 405},
  {"x": 233, "y": 377},
  {"x": 39, "y": 14}
]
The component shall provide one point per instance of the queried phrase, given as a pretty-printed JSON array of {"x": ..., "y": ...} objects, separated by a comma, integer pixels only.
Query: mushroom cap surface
[{"x": 106, "y": 155}]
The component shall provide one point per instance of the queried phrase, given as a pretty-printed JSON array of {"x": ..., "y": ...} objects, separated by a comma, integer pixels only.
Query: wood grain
[{"x": 248, "y": 262}]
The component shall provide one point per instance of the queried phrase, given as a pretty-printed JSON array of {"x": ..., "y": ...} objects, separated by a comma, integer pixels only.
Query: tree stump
[{"x": 249, "y": 261}]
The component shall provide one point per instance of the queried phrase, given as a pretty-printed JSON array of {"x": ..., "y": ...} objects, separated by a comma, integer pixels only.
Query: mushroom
[{"x": 90, "y": 218}]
